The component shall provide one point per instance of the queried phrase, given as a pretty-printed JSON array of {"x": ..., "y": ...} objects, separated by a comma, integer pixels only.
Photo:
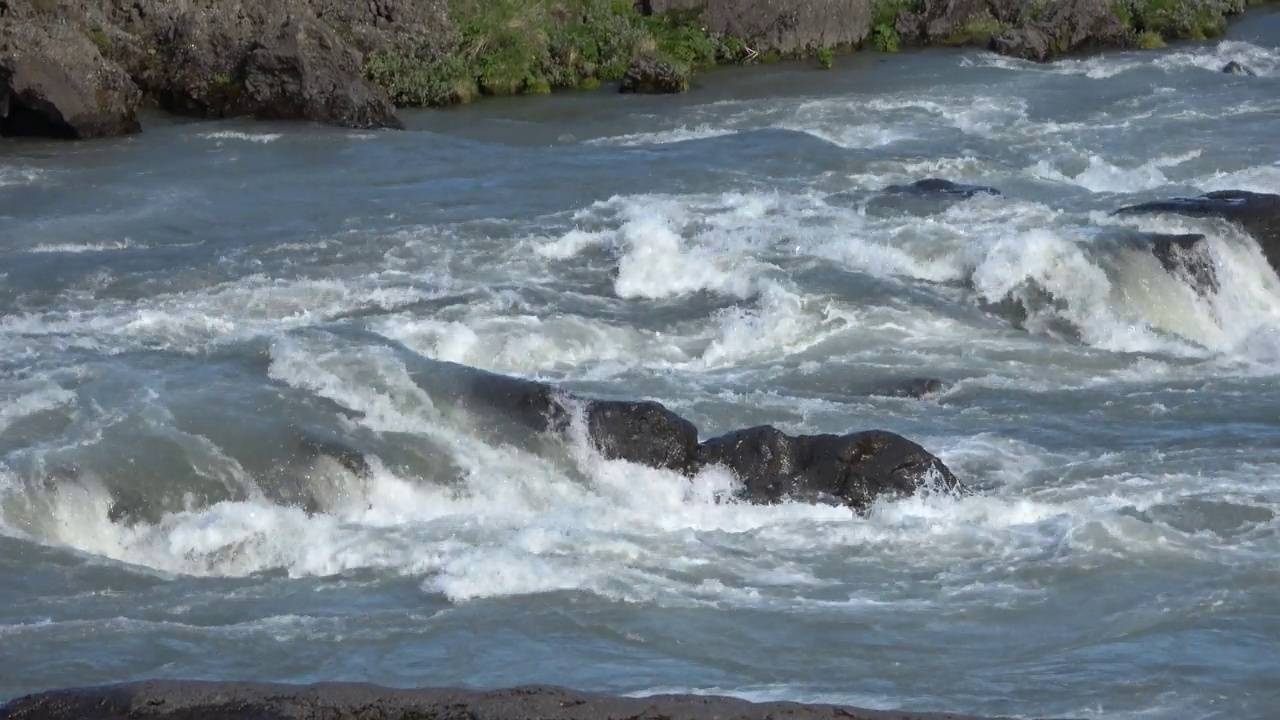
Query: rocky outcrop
[
  {"x": 80, "y": 70},
  {"x": 306, "y": 71},
  {"x": 654, "y": 76},
  {"x": 55, "y": 83},
  {"x": 1256, "y": 213},
  {"x": 1064, "y": 27},
  {"x": 205, "y": 700},
  {"x": 852, "y": 469}
]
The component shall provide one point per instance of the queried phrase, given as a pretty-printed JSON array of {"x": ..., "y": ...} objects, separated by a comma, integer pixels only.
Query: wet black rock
[
  {"x": 643, "y": 432},
  {"x": 651, "y": 75},
  {"x": 940, "y": 187},
  {"x": 1235, "y": 68},
  {"x": 1256, "y": 213},
  {"x": 852, "y": 470},
  {"x": 205, "y": 700},
  {"x": 1187, "y": 256}
]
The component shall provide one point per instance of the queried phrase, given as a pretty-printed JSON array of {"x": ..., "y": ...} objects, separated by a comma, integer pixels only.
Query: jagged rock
[
  {"x": 55, "y": 83},
  {"x": 1063, "y": 27},
  {"x": 652, "y": 75},
  {"x": 937, "y": 186},
  {"x": 956, "y": 21},
  {"x": 307, "y": 72},
  {"x": 1235, "y": 68},
  {"x": 850, "y": 470},
  {"x": 1256, "y": 213}
]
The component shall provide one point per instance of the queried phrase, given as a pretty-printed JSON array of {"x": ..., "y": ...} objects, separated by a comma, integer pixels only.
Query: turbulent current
[{"x": 184, "y": 313}]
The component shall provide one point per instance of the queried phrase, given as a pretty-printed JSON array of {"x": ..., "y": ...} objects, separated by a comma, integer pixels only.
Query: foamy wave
[
  {"x": 665, "y": 137},
  {"x": 261, "y": 138},
  {"x": 1259, "y": 178},
  {"x": 1101, "y": 176},
  {"x": 14, "y": 175},
  {"x": 110, "y": 246},
  {"x": 1264, "y": 61}
]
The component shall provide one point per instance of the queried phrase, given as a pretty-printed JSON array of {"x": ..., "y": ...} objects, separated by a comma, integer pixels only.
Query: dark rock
[
  {"x": 55, "y": 83},
  {"x": 1235, "y": 68},
  {"x": 651, "y": 75},
  {"x": 1057, "y": 28},
  {"x": 207, "y": 700},
  {"x": 642, "y": 432},
  {"x": 937, "y": 186},
  {"x": 1188, "y": 257},
  {"x": 307, "y": 72},
  {"x": 1256, "y": 213},
  {"x": 850, "y": 470},
  {"x": 917, "y": 387}
]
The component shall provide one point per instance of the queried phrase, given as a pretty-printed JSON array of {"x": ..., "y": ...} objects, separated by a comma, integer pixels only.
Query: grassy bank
[{"x": 505, "y": 47}]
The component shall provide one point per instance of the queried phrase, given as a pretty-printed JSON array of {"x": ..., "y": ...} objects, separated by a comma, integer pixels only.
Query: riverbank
[
  {"x": 338, "y": 701},
  {"x": 83, "y": 69}
]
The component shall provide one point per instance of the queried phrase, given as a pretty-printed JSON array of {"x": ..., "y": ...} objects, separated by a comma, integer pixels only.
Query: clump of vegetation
[
  {"x": 506, "y": 47},
  {"x": 977, "y": 32},
  {"x": 1177, "y": 19},
  {"x": 1150, "y": 40},
  {"x": 826, "y": 58},
  {"x": 884, "y": 30},
  {"x": 99, "y": 37}
]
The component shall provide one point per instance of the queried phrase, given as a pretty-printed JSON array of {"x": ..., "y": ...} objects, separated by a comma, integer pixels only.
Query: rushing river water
[{"x": 179, "y": 309}]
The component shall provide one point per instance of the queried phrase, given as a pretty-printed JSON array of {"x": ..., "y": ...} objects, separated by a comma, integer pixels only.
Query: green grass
[{"x": 826, "y": 58}]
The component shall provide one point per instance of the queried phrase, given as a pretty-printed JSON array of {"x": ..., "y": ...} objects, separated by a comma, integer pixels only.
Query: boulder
[
  {"x": 1235, "y": 68},
  {"x": 957, "y": 21},
  {"x": 305, "y": 71},
  {"x": 652, "y": 75},
  {"x": 55, "y": 83},
  {"x": 1256, "y": 213},
  {"x": 852, "y": 470},
  {"x": 642, "y": 432}
]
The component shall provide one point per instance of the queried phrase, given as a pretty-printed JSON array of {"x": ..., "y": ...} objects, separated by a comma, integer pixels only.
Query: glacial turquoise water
[{"x": 180, "y": 308}]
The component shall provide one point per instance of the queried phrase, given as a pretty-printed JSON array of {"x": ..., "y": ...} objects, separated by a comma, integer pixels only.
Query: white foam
[
  {"x": 33, "y": 401},
  {"x": 260, "y": 138},
  {"x": 1263, "y": 61},
  {"x": 18, "y": 175},
  {"x": 664, "y": 137},
  {"x": 1101, "y": 176},
  {"x": 106, "y": 246}
]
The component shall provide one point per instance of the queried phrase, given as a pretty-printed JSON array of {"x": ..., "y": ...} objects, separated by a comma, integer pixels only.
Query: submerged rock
[
  {"x": 940, "y": 187},
  {"x": 916, "y": 387},
  {"x": 651, "y": 75},
  {"x": 851, "y": 470},
  {"x": 1235, "y": 68},
  {"x": 206, "y": 700},
  {"x": 1256, "y": 213},
  {"x": 55, "y": 83}
]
